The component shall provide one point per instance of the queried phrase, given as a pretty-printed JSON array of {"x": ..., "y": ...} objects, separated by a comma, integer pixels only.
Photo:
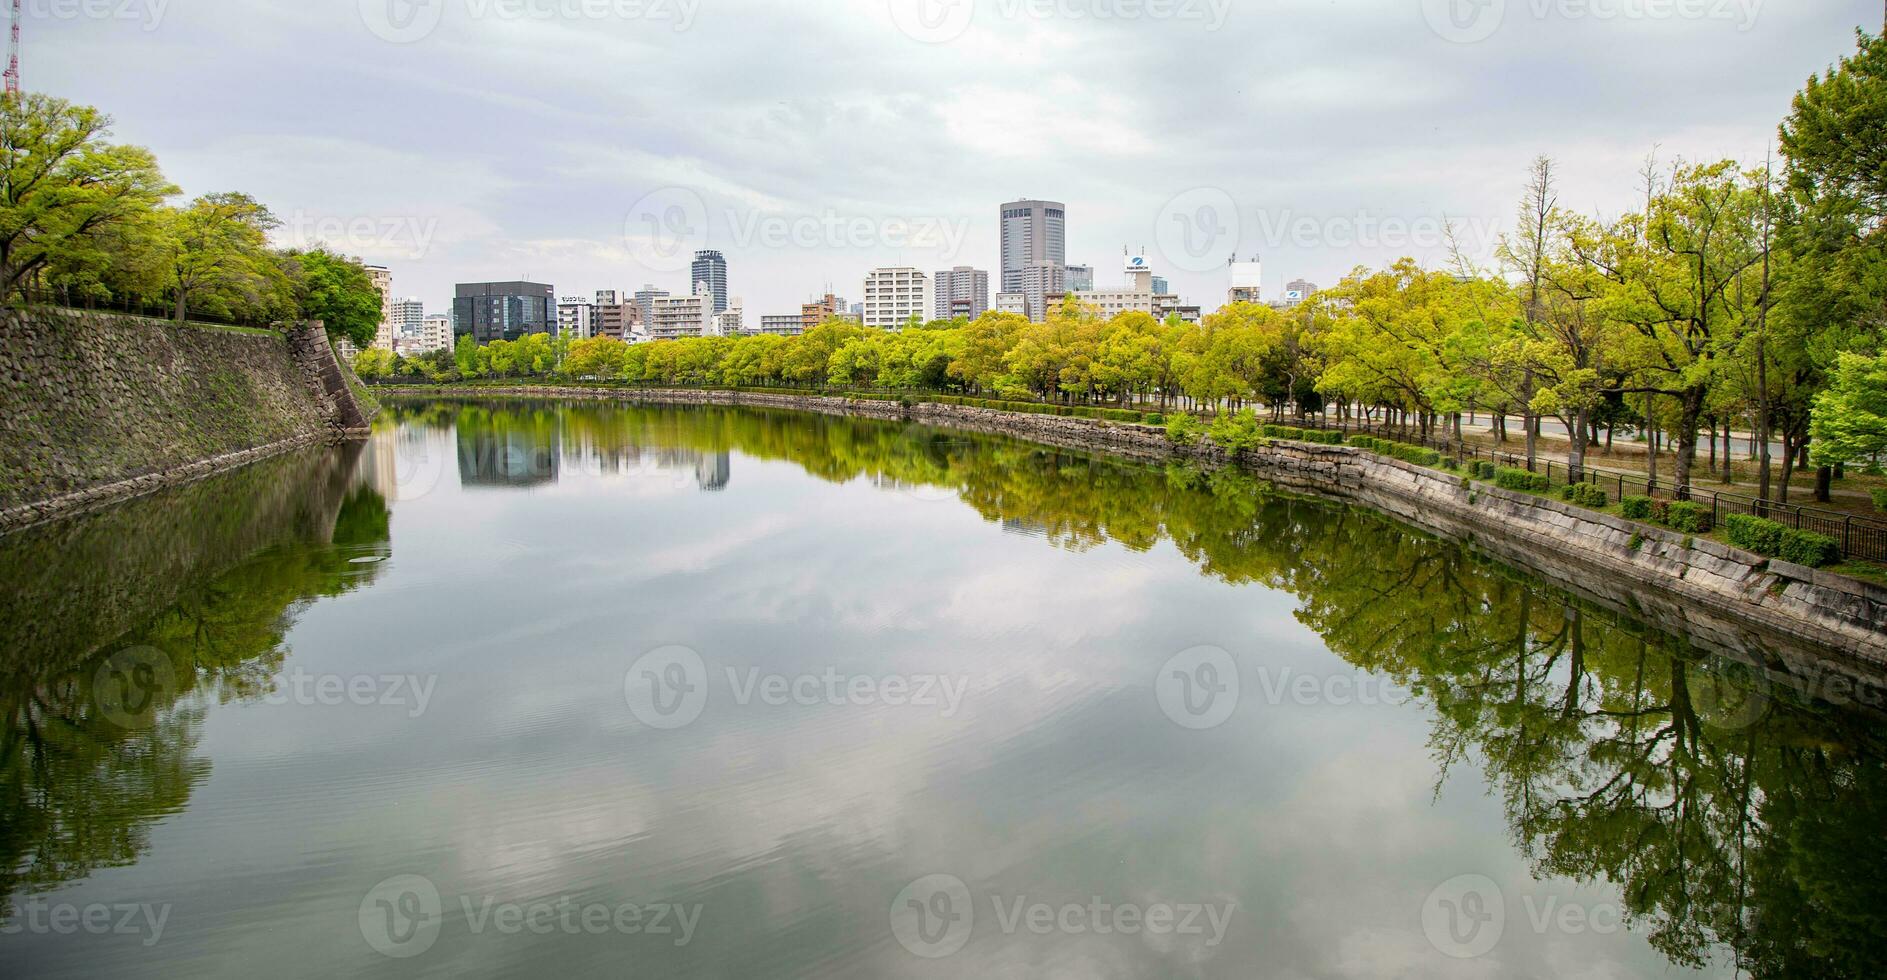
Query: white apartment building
[
  {"x": 1017, "y": 303},
  {"x": 435, "y": 333},
  {"x": 731, "y": 321},
  {"x": 576, "y": 318},
  {"x": 894, "y": 295},
  {"x": 682, "y": 316}
]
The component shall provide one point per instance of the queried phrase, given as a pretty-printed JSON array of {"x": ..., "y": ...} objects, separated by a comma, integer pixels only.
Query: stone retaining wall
[
  {"x": 1727, "y": 598},
  {"x": 99, "y": 407}
]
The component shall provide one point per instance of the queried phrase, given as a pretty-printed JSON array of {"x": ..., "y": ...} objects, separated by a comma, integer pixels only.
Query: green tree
[
  {"x": 1850, "y": 422},
  {"x": 220, "y": 260},
  {"x": 336, "y": 290},
  {"x": 64, "y": 187}
]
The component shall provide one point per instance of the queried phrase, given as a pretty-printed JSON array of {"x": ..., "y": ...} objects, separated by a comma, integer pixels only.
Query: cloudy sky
[{"x": 594, "y": 143}]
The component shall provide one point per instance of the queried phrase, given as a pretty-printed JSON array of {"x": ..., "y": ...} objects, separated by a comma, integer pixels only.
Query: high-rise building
[
  {"x": 436, "y": 334},
  {"x": 731, "y": 322},
  {"x": 615, "y": 318},
  {"x": 895, "y": 295},
  {"x": 819, "y": 311},
  {"x": 962, "y": 291},
  {"x": 1297, "y": 290},
  {"x": 1032, "y": 232},
  {"x": 1161, "y": 287},
  {"x": 1040, "y": 281},
  {"x": 1247, "y": 280},
  {"x": 382, "y": 279},
  {"x": 503, "y": 310},
  {"x": 683, "y": 316},
  {"x": 711, "y": 268},
  {"x": 1080, "y": 278},
  {"x": 409, "y": 320},
  {"x": 576, "y": 318},
  {"x": 645, "y": 298}
]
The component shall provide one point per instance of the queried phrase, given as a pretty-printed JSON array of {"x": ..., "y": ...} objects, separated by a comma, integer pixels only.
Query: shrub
[
  {"x": 1155, "y": 418},
  {"x": 1485, "y": 469},
  {"x": 1880, "y": 498},
  {"x": 1689, "y": 517},
  {"x": 1415, "y": 454},
  {"x": 1184, "y": 430},
  {"x": 1753, "y": 533},
  {"x": 1584, "y": 494},
  {"x": 1513, "y": 479},
  {"x": 1236, "y": 432},
  {"x": 1325, "y": 437},
  {"x": 1636, "y": 508},
  {"x": 1364, "y": 442},
  {"x": 1766, "y": 537},
  {"x": 1809, "y": 548}
]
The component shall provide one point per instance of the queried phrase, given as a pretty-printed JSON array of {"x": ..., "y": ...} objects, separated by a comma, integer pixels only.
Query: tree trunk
[
  {"x": 1576, "y": 458},
  {"x": 1690, "y": 407}
]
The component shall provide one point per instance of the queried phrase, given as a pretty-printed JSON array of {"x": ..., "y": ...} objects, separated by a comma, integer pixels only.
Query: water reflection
[
  {"x": 1731, "y": 803},
  {"x": 123, "y": 626}
]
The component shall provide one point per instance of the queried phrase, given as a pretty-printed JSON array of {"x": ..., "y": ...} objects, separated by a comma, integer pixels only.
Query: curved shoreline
[{"x": 1728, "y": 598}]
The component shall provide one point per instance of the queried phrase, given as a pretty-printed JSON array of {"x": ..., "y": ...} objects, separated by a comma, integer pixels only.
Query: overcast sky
[{"x": 594, "y": 143}]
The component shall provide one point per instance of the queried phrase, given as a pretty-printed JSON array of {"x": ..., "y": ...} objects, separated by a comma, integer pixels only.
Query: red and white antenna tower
[{"x": 13, "y": 54}]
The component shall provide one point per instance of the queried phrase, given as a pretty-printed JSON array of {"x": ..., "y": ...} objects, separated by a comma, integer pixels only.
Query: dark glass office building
[{"x": 503, "y": 310}]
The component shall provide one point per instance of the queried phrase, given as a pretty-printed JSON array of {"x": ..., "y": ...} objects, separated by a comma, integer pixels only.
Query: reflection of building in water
[
  {"x": 508, "y": 457},
  {"x": 712, "y": 471},
  {"x": 1026, "y": 528}
]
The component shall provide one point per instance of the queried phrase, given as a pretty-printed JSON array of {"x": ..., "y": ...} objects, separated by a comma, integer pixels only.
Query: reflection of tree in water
[
  {"x": 1732, "y": 816},
  {"x": 80, "y": 783}
]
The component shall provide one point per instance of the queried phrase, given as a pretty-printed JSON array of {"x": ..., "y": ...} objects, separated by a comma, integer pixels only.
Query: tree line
[
  {"x": 85, "y": 222},
  {"x": 1735, "y": 297}
]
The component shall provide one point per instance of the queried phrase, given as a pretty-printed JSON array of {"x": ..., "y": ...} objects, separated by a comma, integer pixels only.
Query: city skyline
[{"x": 1319, "y": 126}]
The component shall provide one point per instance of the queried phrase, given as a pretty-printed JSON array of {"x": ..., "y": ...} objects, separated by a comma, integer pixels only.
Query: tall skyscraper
[
  {"x": 962, "y": 291},
  {"x": 711, "y": 268},
  {"x": 1080, "y": 278},
  {"x": 1033, "y": 232}
]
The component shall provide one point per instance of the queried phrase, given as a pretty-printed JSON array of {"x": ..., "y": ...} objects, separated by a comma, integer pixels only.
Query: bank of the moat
[
  {"x": 100, "y": 407},
  {"x": 1726, "y": 597}
]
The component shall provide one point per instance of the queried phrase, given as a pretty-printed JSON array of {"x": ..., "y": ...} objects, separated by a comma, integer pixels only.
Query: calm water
[{"x": 656, "y": 692}]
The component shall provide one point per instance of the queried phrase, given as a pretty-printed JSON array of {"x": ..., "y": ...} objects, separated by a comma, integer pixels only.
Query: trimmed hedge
[
  {"x": 1636, "y": 508},
  {"x": 1773, "y": 540},
  {"x": 1584, "y": 494},
  {"x": 1689, "y": 517},
  {"x": 1514, "y": 479}
]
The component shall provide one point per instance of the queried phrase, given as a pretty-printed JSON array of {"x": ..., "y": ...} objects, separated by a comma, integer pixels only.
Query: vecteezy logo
[
  {"x": 1464, "y": 916},
  {"x": 1727, "y": 694},
  {"x": 1198, "y": 688},
  {"x": 932, "y": 21},
  {"x": 665, "y": 228},
  {"x": 401, "y": 916},
  {"x": 1197, "y": 229},
  {"x": 667, "y": 687},
  {"x": 132, "y": 685},
  {"x": 402, "y": 21},
  {"x": 1464, "y": 21},
  {"x": 932, "y": 916}
]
